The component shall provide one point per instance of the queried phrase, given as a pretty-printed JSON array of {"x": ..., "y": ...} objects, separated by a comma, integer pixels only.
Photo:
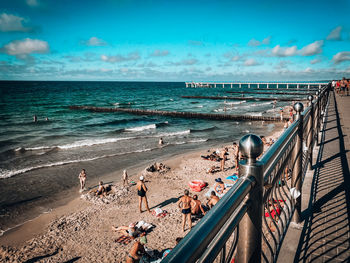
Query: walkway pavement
[{"x": 324, "y": 234}]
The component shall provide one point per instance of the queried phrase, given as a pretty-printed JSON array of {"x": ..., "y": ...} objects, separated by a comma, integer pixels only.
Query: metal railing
[{"x": 250, "y": 221}]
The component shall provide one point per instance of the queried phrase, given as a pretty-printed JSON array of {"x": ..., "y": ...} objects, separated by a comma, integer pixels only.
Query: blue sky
[{"x": 174, "y": 40}]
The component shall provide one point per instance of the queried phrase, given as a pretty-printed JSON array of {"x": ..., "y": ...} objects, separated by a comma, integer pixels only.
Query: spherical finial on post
[
  {"x": 298, "y": 107},
  {"x": 310, "y": 98},
  {"x": 251, "y": 146}
]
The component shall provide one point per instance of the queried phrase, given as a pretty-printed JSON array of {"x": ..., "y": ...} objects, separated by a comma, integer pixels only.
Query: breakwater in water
[{"x": 211, "y": 116}]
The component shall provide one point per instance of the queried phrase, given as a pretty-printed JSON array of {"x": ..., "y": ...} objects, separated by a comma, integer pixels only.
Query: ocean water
[
  {"x": 71, "y": 136},
  {"x": 40, "y": 161}
]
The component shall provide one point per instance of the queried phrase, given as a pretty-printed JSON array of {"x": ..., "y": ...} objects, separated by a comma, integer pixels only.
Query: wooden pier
[
  {"x": 266, "y": 85},
  {"x": 194, "y": 115},
  {"x": 271, "y": 93},
  {"x": 242, "y": 98}
]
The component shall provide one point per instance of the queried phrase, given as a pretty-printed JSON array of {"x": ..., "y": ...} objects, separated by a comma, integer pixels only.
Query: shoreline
[{"x": 29, "y": 239}]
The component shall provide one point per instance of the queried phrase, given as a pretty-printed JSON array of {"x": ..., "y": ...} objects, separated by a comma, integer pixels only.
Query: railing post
[
  {"x": 250, "y": 228},
  {"x": 298, "y": 159},
  {"x": 310, "y": 132},
  {"x": 318, "y": 117}
]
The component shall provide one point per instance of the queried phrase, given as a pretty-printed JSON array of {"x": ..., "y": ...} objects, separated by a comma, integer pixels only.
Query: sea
[{"x": 40, "y": 160}]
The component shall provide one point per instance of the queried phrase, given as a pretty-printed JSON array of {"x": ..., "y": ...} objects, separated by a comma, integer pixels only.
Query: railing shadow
[{"x": 325, "y": 234}]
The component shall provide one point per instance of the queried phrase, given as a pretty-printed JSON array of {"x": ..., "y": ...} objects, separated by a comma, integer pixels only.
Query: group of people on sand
[
  {"x": 221, "y": 156},
  {"x": 192, "y": 206}
]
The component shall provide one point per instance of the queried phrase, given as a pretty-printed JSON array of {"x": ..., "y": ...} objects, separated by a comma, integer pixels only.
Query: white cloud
[
  {"x": 312, "y": 49},
  {"x": 255, "y": 43},
  {"x": 32, "y": 3},
  {"x": 284, "y": 51},
  {"x": 267, "y": 40},
  {"x": 308, "y": 70},
  {"x": 335, "y": 34},
  {"x": 120, "y": 58},
  {"x": 236, "y": 58},
  {"x": 160, "y": 53},
  {"x": 341, "y": 56},
  {"x": 25, "y": 47},
  {"x": 315, "y": 61},
  {"x": 94, "y": 41},
  {"x": 185, "y": 62},
  {"x": 250, "y": 62},
  {"x": 12, "y": 23}
]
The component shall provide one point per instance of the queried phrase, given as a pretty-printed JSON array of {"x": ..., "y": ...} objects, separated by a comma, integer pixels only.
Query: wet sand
[{"x": 81, "y": 230}]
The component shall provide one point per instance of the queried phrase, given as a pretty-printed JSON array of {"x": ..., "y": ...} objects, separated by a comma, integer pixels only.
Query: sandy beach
[{"x": 82, "y": 229}]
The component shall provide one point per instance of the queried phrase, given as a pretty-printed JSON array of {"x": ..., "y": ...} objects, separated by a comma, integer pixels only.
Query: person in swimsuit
[
  {"x": 101, "y": 190},
  {"x": 213, "y": 199},
  {"x": 236, "y": 155},
  {"x": 141, "y": 192},
  {"x": 82, "y": 178},
  {"x": 197, "y": 209},
  {"x": 219, "y": 186},
  {"x": 185, "y": 203},
  {"x": 136, "y": 251},
  {"x": 125, "y": 178}
]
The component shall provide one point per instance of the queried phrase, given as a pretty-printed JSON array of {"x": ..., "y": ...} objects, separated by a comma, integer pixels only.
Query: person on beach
[
  {"x": 222, "y": 159},
  {"x": 281, "y": 113},
  {"x": 35, "y": 118},
  {"x": 82, "y": 178},
  {"x": 236, "y": 155},
  {"x": 219, "y": 186},
  {"x": 136, "y": 251},
  {"x": 125, "y": 178},
  {"x": 126, "y": 230},
  {"x": 197, "y": 209},
  {"x": 186, "y": 203},
  {"x": 213, "y": 199},
  {"x": 141, "y": 192},
  {"x": 101, "y": 190},
  {"x": 161, "y": 141}
]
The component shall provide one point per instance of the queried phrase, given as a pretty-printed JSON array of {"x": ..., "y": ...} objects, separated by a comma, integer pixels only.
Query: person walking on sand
[
  {"x": 222, "y": 159},
  {"x": 82, "y": 178},
  {"x": 141, "y": 192},
  {"x": 185, "y": 203},
  {"x": 236, "y": 155},
  {"x": 125, "y": 178}
]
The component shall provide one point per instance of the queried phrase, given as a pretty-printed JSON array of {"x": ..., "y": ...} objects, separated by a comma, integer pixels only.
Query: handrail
[{"x": 258, "y": 216}]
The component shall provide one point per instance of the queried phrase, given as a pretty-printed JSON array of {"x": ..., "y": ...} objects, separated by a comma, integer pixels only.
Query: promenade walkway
[{"x": 323, "y": 235}]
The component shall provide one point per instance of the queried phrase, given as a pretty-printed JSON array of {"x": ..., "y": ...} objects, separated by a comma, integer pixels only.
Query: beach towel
[
  {"x": 158, "y": 212},
  {"x": 233, "y": 177},
  {"x": 124, "y": 239}
]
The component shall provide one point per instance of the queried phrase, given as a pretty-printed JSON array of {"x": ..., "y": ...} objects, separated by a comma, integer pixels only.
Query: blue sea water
[{"x": 70, "y": 136}]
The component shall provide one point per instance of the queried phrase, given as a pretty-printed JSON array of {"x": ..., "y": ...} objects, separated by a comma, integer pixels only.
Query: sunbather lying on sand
[
  {"x": 133, "y": 230},
  {"x": 126, "y": 230}
]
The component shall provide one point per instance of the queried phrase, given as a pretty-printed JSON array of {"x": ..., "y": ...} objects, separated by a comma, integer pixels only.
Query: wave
[
  {"x": 114, "y": 122},
  {"x": 162, "y": 124},
  {"x": 197, "y": 140},
  {"x": 141, "y": 128},
  {"x": 9, "y": 173},
  {"x": 236, "y": 102},
  {"x": 204, "y": 130},
  {"x": 76, "y": 144},
  {"x": 169, "y": 134}
]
